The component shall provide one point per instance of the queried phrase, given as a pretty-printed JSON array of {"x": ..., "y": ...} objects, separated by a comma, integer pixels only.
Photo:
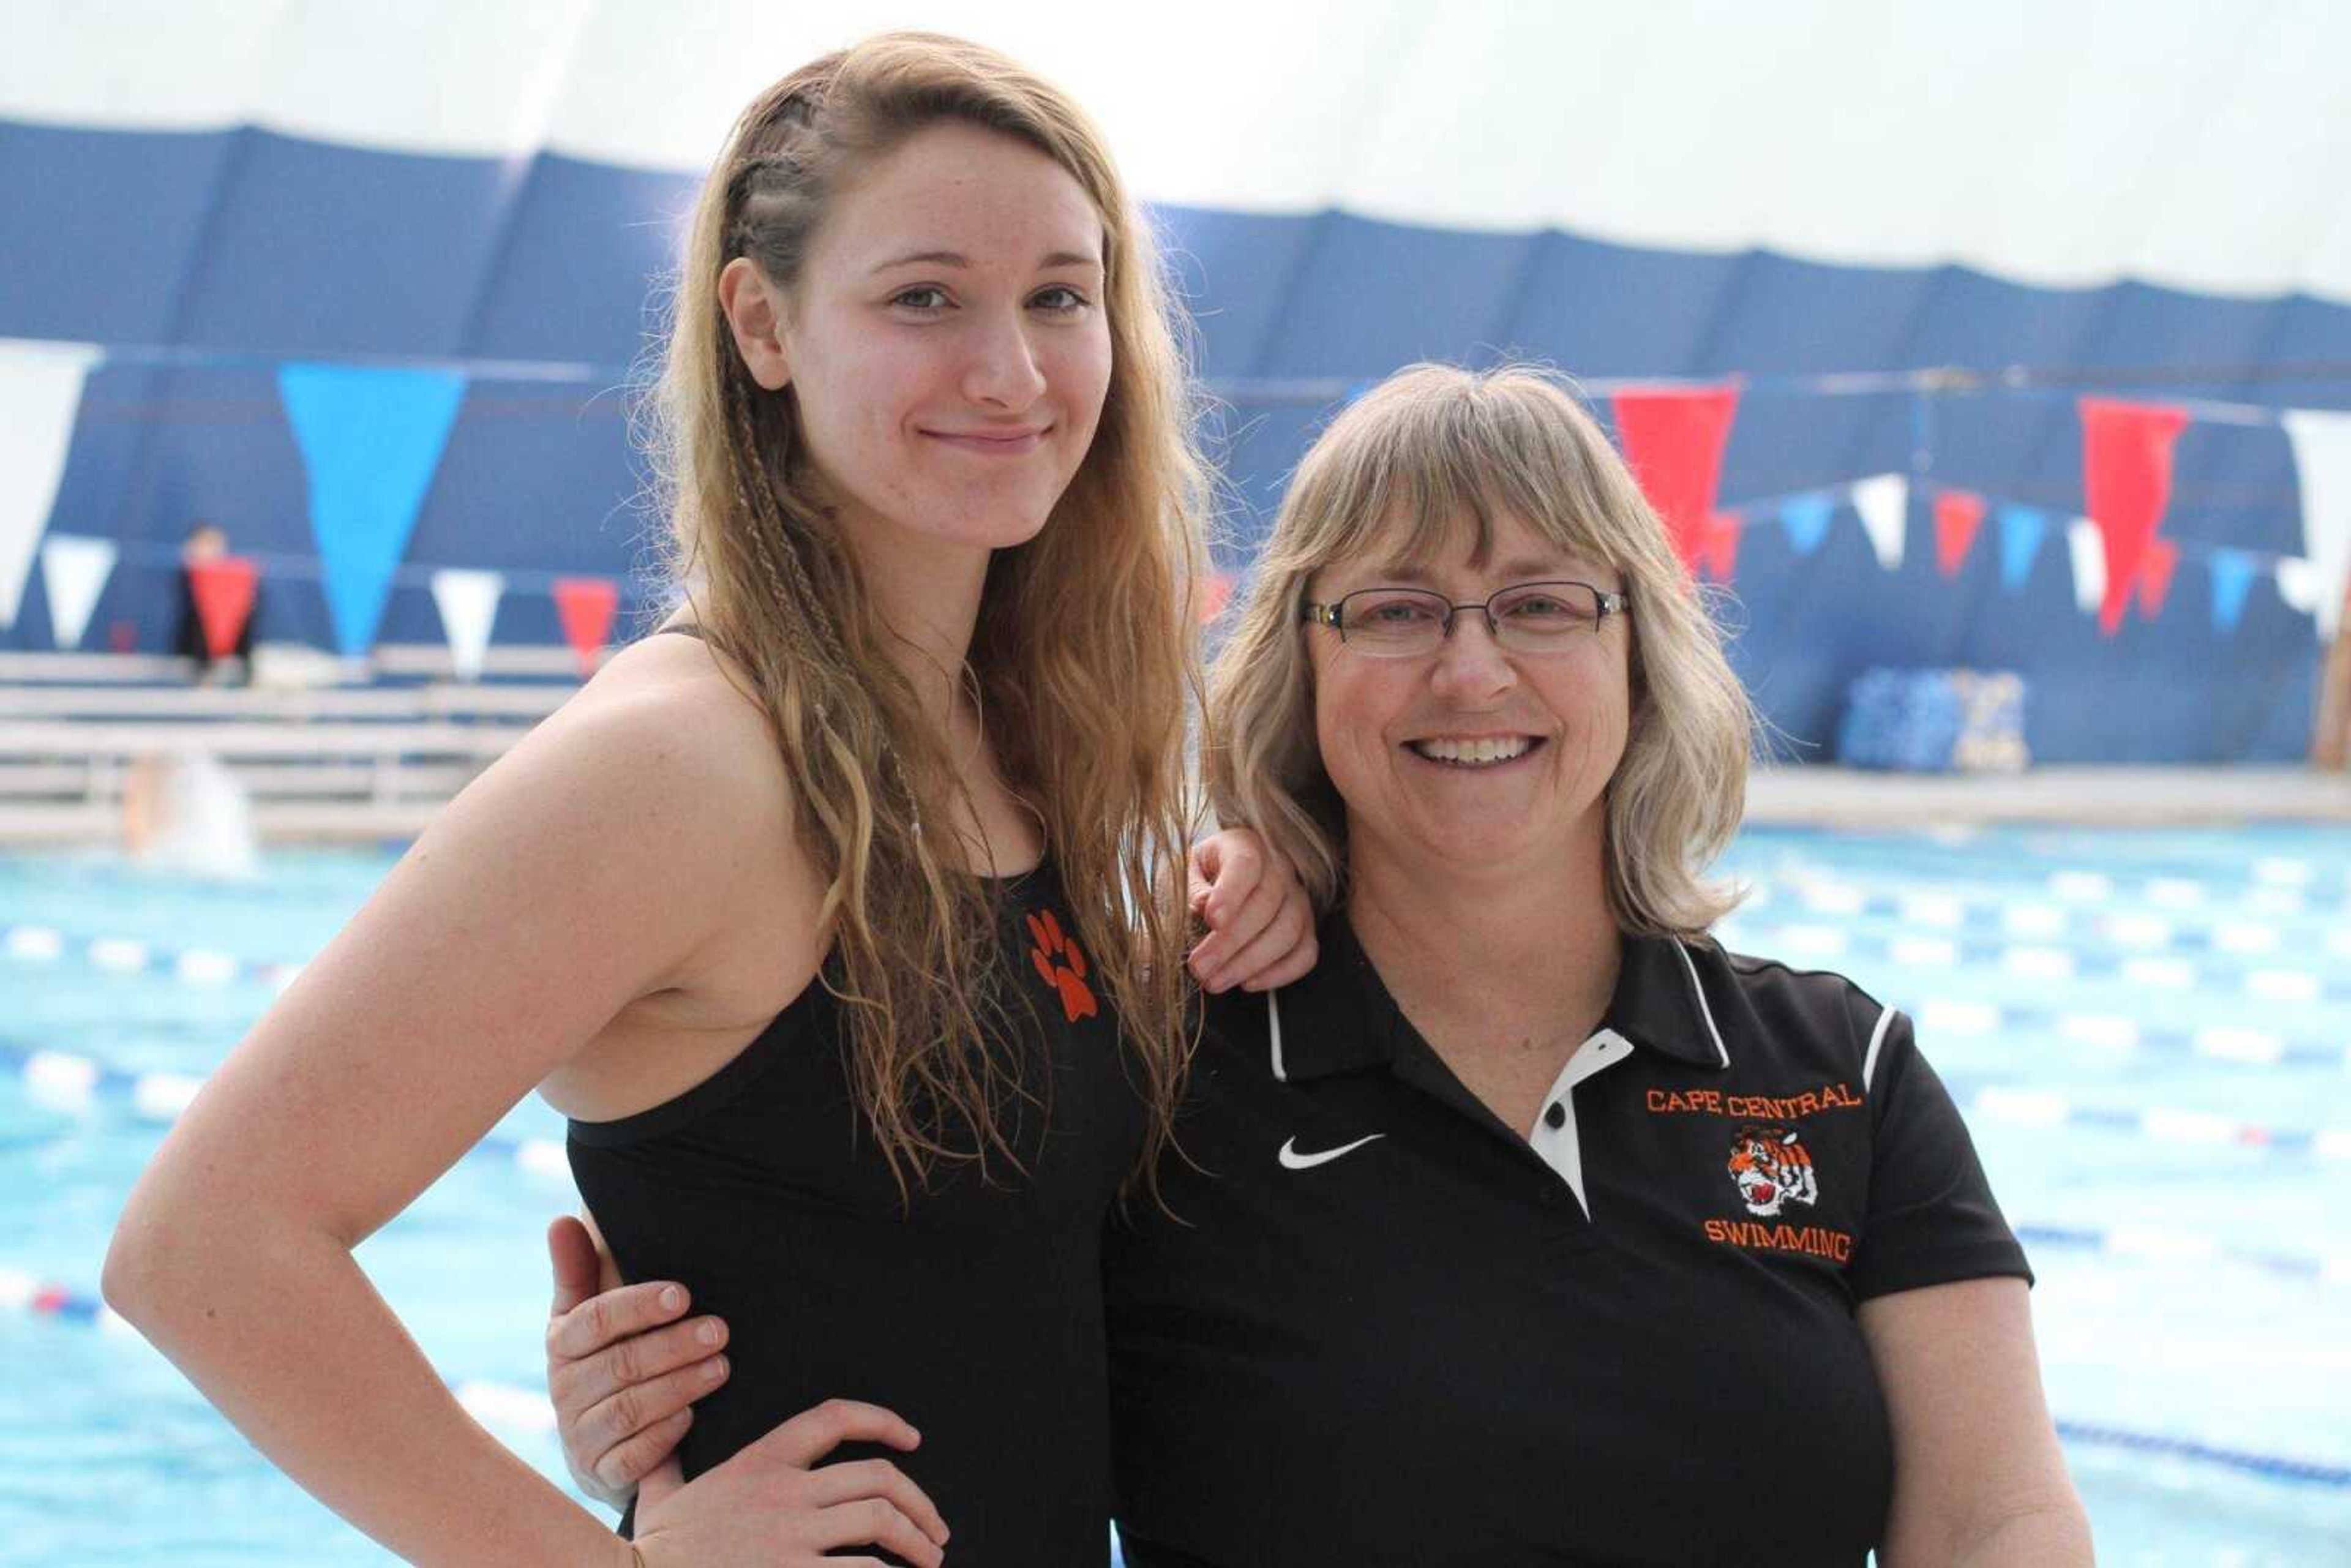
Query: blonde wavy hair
[
  {"x": 1084, "y": 661},
  {"x": 1397, "y": 475}
]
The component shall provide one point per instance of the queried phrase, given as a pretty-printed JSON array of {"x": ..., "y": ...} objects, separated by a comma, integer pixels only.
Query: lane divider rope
[
  {"x": 1935, "y": 932},
  {"x": 1943, "y": 1020},
  {"x": 2276, "y": 886},
  {"x": 30, "y": 943},
  {"x": 73, "y": 1084},
  {"x": 1798, "y": 941},
  {"x": 2187, "y": 1249},
  {"x": 2043, "y": 1108},
  {"x": 64, "y": 1081},
  {"x": 2240, "y": 1045}
]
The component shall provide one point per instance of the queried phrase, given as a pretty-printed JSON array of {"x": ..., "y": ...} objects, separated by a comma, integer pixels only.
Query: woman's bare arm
[
  {"x": 586, "y": 871},
  {"x": 1979, "y": 1479}
]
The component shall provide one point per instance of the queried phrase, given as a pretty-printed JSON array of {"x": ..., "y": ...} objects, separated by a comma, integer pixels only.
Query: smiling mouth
[
  {"x": 1009, "y": 445},
  {"x": 1491, "y": 752}
]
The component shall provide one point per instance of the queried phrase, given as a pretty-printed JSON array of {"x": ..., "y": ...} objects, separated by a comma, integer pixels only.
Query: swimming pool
[{"x": 2150, "y": 1033}]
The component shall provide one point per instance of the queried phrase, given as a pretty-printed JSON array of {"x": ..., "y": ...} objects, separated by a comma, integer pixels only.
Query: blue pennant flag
[
  {"x": 1806, "y": 519},
  {"x": 2233, "y": 573},
  {"x": 370, "y": 441},
  {"x": 2021, "y": 528}
]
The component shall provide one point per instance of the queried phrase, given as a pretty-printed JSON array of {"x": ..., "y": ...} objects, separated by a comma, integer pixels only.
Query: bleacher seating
[{"x": 372, "y": 755}]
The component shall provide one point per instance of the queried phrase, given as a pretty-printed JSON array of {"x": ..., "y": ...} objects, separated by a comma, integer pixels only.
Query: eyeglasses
[{"x": 1525, "y": 618}]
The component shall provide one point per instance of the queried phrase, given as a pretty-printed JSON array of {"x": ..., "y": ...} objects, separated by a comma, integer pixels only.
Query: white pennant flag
[
  {"x": 469, "y": 606},
  {"x": 2088, "y": 547},
  {"x": 2298, "y": 584},
  {"x": 1884, "y": 504},
  {"x": 40, "y": 390},
  {"x": 73, "y": 573},
  {"x": 2321, "y": 458}
]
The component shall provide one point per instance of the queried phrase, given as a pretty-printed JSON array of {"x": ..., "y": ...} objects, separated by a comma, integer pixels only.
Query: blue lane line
[
  {"x": 30, "y": 942},
  {"x": 2271, "y": 1467},
  {"x": 546, "y": 1154},
  {"x": 2186, "y": 1247},
  {"x": 2008, "y": 868},
  {"x": 2093, "y": 958},
  {"x": 2014, "y": 1022},
  {"x": 122, "y": 1089}
]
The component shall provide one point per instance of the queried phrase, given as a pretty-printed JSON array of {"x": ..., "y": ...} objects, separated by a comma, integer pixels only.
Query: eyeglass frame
[{"x": 1611, "y": 603}]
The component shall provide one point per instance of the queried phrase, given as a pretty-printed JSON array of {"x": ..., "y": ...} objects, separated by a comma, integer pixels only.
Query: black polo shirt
[{"x": 1385, "y": 1327}]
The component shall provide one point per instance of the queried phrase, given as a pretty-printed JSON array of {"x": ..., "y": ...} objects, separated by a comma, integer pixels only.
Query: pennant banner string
[
  {"x": 286, "y": 566},
  {"x": 2056, "y": 383}
]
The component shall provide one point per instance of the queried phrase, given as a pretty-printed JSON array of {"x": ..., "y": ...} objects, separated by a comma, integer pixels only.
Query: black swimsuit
[{"x": 975, "y": 1311}]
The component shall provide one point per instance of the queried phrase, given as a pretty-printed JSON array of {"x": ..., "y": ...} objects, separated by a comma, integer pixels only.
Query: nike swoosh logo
[{"x": 1291, "y": 1160}]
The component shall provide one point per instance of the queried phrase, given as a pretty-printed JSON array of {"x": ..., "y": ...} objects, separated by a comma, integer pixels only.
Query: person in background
[
  {"x": 1530, "y": 1227},
  {"x": 207, "y": 541},
  {"x": 839, "y": 920}
]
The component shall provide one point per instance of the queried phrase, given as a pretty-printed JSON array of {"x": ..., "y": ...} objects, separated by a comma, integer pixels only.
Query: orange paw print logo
[{"x": 1063, "y": 964}]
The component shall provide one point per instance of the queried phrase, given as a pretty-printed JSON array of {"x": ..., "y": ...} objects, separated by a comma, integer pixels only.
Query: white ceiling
[{"x": 2186, "y": 143}]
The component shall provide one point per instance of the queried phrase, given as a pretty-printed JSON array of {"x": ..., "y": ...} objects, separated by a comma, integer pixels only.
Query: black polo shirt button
[{"x": 1556, "y": 1117}]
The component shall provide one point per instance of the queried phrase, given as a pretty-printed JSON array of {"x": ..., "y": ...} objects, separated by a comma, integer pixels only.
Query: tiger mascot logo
[{"x": 1770, "y": 1167}]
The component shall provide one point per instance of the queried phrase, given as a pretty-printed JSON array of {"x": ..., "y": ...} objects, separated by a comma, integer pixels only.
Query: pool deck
[
  {"x": 2136, "y": 797},
  {"x": 1811, "y": 796}
]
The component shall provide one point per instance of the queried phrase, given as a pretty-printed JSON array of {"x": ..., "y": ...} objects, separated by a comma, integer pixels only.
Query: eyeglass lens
[{"x": 1527, "y": 617}]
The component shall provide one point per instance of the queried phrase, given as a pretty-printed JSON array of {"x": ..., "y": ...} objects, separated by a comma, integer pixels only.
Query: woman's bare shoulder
[
  {"x": 660, "y": 771},
  {"x": 693, "y": 801},
  {"x": 677, "y": 707}
]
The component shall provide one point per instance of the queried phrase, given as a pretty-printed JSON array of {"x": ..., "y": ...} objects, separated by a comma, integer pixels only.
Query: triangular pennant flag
[
  {"x": 586, "y": 605},
  {"x": 1884, "y": 504},
  {"x": 1210, "y": 594},
  {"x": 1673, "y": 439},
  {"x": 2322, "y": 460},
  {"x": 2021, "y": 528},
  {"x": 1958, "y": 515},
  {"x": 2232, "y": 575},
  {"x": 1806, "y": 519},
  {"x": 1719, "y": 556},
  {"x": 2088, "y": 549},
  {"x": 2155, "y": 576},
  {"x": 40, "y": 392},
  {"x": 468, "y": 603},
  {"x": 2297, "y": 583},
  {"x": 372, "y": 440},
  {"x": 73, "y": 574},
  {"x": 2126, "y": 477},
  {"x": 223, "y": 589}
]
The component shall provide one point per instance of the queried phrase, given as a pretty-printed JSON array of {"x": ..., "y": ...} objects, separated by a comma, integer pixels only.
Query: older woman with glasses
[{"x": 1533, "y": 1225}]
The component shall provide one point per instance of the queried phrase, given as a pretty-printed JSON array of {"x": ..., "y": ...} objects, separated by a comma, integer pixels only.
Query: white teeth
[{"x": 1473, "y": 752}]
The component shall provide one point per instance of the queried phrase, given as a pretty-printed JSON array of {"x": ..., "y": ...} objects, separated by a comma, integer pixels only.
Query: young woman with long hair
[{"x": 840, "y": 924}]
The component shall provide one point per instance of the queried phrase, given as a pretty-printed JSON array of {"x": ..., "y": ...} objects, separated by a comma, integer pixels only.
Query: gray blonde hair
[{"x": 1398, "y": 474}]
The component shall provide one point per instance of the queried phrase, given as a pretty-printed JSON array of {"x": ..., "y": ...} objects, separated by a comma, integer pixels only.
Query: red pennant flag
[
  {"x": 1211, "y": 594},
  {"x": 1718, "y": 557},
  {"x": 2155, "y": 576},
  {"x": 223, "y": 589},
  {"x": 586, "y": 605},
  {"x": 1673, "y": 440},
  {"x": 1958, "y": 515},
  {"x": 2126, "y": 473}
]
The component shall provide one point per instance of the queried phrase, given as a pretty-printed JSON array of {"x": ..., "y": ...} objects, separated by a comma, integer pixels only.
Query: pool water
[{"x": 2150, "y": 1034}]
